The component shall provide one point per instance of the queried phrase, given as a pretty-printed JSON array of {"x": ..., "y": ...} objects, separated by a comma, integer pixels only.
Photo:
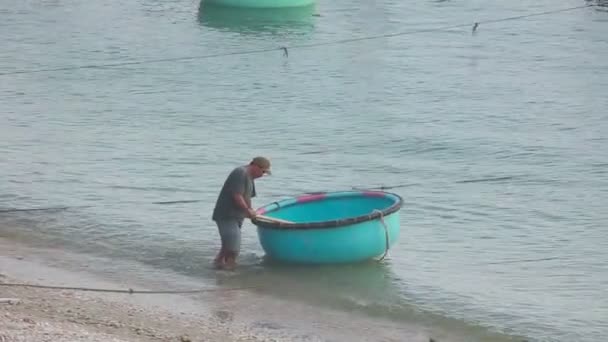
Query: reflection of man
[{"x": 233, "y": 206}]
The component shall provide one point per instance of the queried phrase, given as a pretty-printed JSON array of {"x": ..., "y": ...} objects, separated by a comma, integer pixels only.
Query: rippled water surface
[{"x": 496, "y": 140}]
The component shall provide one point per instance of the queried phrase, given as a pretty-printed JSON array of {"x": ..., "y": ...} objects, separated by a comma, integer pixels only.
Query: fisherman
[{"x": 233, "y": 206}]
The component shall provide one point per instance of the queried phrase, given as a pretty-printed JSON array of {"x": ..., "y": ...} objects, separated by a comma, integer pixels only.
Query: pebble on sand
[{"x": 9, "y": 300}]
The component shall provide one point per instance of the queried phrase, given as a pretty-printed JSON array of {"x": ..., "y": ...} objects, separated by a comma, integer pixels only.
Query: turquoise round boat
[
  {"x": 330, "y": 227},
  {"x": 261, "y": 3}
]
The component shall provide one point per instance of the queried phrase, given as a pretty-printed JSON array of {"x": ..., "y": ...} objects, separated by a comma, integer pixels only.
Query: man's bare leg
[
  {"x": 230, "y": 260},
  {"x": 220, "y": 259}
]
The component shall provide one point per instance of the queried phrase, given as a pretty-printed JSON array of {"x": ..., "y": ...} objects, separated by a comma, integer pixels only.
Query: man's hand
[{"x": 240, "y": 201}]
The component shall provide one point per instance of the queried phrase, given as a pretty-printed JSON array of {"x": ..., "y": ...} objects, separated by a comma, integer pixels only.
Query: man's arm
[
  {"x": 237, "y": 187},
  {"x": 240, "y": 201}
]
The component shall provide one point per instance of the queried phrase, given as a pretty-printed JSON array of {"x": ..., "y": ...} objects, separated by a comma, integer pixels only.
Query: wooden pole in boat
[{"x": 271, "y": 219}]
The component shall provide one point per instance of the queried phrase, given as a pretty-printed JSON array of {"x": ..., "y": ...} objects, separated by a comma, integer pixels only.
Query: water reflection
[
  {"x": 299, "y": 20},
  {"x": 601, "y": 3},
  {"x": 368, "y": 287}
]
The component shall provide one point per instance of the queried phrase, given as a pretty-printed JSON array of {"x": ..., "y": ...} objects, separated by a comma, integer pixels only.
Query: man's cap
[{"x": 263, "y": 163}]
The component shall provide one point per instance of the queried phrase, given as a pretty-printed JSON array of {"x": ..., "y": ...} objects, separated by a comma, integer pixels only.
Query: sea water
[{"x": 494, "y": 137}]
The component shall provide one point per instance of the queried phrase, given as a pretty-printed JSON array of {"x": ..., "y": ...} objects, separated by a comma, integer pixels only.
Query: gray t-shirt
[{"x": 238, "y": 181}]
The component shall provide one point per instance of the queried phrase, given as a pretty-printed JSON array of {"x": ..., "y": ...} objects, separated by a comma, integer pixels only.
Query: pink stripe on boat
[
  {"x": 309, "y": 198},
  {"x": 373, "y": 193}
]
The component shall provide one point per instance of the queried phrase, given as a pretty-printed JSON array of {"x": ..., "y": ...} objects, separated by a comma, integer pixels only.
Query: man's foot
[
  {"x": 224, "y": 267},
  {"x": 230, "y": 264},
  {"x": 219, "y": 263}
]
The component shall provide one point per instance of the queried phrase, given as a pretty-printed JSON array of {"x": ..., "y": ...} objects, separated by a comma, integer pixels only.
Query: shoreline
[
  {"x": 39, "y": 314},
  {"x": 35, "y": 314},
  {"x": 220, "y": 314}
]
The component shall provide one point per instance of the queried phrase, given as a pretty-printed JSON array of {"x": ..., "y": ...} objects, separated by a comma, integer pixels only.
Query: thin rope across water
[{"x": 285, "y": 49}]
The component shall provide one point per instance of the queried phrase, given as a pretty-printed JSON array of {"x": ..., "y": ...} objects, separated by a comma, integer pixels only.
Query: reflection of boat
[
  {"x": 244, "y": 20},
  {"x": 334, "y": 227},
  {"x": 261, "y": 3},
  {"x": 367, "y": 287}
]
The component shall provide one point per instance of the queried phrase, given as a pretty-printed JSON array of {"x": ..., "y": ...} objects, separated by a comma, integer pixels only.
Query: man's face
[{"x": 259, "y": 171}]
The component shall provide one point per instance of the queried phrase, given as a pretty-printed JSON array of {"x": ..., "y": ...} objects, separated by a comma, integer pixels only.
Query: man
[{"x": 233, "y": 206}]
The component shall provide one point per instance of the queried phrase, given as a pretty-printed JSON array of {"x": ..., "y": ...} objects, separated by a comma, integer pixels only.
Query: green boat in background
[
  {"x": 288, "y": 20},
  {"x": 261, "y": 3}
]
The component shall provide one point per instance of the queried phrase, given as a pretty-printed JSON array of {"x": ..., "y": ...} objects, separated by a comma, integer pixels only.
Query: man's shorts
[{"x": 230, "y": 233}]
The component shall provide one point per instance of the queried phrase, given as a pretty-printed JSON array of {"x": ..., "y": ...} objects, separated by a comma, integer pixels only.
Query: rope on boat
[
  {"x": 385, "y": 234},
  {"x": 129, "y": 291}
]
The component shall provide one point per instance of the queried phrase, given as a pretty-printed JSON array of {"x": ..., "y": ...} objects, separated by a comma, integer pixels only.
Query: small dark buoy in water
[
  {"x": 432, "y": 340},
  {"x": 475, "y": 27}
]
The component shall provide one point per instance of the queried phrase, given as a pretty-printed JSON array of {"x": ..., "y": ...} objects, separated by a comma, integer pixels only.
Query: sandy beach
[
  {"x": 37, "y": 314},
  {"x": 50, "y": 314},
  {"x": 98, "y": 306},
  {"x": 221, "y": 314}
]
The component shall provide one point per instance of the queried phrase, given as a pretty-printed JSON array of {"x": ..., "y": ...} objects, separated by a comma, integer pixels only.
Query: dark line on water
[
  {"x": 314, "y": 152},
  {"x": 465, "y": 181},
  {"x": 151, "y": 188},
  {"x": 522, "y": 260},
  {"x": 480, "y": 180},
  {"x": 388, "y": 187},
  {"x": 177, "y": 202},
  {"x": 10, "y": 210},
  {"x": 39, "y": 209},
  {"x": 266, "y": 50}
]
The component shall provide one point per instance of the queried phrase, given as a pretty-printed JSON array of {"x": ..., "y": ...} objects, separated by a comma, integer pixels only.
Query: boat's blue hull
[
  {"x": 352, "y": 243},
  {"x": 317, "y": 239}
]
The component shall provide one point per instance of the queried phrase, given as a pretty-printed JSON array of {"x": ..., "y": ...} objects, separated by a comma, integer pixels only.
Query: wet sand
[
  {"x": 35, "y": 314},
  {"x": 42, "y": 314},
  {"x": 49, "y": 314}
]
